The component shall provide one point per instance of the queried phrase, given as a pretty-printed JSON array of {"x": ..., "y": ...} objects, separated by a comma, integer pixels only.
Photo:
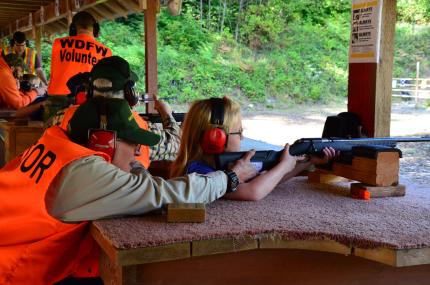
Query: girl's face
[{"x": 234, "y": 138}]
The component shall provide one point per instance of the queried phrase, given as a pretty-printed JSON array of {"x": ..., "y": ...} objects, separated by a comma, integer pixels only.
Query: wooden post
[
  {"x": 38, "y": 39},
  {"x": 151, "y": 77},
  {"x": 369, "y": 84}
]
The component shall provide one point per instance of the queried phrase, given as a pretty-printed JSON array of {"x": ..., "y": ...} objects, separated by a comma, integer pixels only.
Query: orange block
[{"x": 360, "y": 193}]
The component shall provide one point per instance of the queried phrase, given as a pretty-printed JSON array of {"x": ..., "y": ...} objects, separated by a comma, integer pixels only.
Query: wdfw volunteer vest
[
  {"x": 36, "y": 248},
  {"x": 29, "y": 59},
  {"x": 144, "y": 150},
  {"x": 71, "y": 55}
]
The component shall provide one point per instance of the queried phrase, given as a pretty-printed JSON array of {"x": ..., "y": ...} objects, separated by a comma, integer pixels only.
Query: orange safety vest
[
  {"x": 144, "y": 150},
  {"x": 36, "y": 248},
  {"x": 29, "y": 59},
  {"x": 71, "y": 55}
]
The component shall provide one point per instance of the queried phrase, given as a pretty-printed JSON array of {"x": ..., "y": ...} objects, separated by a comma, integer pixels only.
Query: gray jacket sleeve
[{"x": 91, "y": 188}]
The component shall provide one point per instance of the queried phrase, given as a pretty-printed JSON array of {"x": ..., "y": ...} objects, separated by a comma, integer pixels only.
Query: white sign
[{"x": 365, "y": 31}]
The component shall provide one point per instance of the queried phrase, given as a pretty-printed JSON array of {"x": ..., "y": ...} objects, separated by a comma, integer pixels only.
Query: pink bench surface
[{"x": 295, "y": 210}]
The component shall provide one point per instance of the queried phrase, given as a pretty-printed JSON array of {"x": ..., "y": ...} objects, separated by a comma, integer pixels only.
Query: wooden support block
[
  {"x": 379, "y": 191},
  {"x": 376, "y": 179},
  {"x": 386, "y": 162},
  {"x": 186, "y": 213},
  {"x": 323, "y": 176}
]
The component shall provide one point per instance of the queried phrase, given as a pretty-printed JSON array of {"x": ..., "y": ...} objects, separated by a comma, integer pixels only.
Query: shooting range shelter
[{"x": 369, "y": 84}]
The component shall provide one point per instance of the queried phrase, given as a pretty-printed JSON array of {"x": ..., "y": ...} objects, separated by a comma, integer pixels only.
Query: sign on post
[{"x": 365, "y": 31}]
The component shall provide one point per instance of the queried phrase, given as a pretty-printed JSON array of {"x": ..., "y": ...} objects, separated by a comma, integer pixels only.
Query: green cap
[
  {"x": 115, "y": 69},
  {"x": 118, "y": 116}
]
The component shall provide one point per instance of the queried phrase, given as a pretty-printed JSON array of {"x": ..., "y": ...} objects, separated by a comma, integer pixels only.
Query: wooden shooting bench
[
  {"x": 376, "y": 168},
  {"x": 301, "y": 233},
  {"x": 18, "y": 137}
]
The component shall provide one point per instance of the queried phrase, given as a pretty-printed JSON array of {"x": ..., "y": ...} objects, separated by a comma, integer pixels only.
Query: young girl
[{"x": 217, "y": 116}]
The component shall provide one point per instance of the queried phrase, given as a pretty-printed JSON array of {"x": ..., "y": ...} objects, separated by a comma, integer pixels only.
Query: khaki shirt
[{"x": 91, "y": 188}]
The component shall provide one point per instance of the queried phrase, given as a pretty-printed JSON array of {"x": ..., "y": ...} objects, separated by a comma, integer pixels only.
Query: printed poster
[{"x": 365, "y": 31}]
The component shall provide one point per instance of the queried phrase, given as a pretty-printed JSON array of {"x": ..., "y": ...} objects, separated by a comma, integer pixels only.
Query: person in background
[
  {"x": 112, "y": 77},
  {"x": 32, "y": 62},
  {"x": 66, "y": 179},
  {"x": 213, "y": 126},
  {"x": 73, "y": 54},
  {"x": 11, "y": 97}
]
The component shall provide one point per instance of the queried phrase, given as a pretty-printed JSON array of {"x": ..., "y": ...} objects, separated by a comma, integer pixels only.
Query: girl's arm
[
  {"x": 329, "y": 153},
  {"x": 263, "y": 184}
]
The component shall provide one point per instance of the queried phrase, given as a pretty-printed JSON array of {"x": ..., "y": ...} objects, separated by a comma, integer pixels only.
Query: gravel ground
[{"x": 415, "y": 163}]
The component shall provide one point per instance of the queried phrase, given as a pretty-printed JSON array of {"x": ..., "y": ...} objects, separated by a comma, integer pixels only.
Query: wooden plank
[
  {"x": 380, "y": 191},
  {"x": 151, "y": 68},
  {"x": 396, "y": 257},
  {"x": 385, "y": 162},
  {"x": 326, "y": 245},
  {"x": 322, "y": 176},
  {"x": 124, "y": 257},
  {"x": 215, "y": 246},
  {"x": 154, "y": 254},
  {"x": 114, "y": 274},
  {"x": 384, "y": 70},
  {"x": 385, "y": 179}
]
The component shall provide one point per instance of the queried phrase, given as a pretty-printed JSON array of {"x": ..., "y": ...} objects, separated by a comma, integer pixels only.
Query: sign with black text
[{"x": 365, "y": 31}]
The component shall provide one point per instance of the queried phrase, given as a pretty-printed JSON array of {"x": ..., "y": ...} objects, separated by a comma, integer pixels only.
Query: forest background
[{"x": 268, "y": 52}]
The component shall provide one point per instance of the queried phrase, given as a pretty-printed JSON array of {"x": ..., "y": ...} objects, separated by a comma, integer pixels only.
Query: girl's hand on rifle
[
  {"x": 287, "y": 161},
  {"x": 328, "y": 154}
]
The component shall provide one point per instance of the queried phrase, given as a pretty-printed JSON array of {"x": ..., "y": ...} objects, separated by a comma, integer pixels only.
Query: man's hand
[
  {"x": 328, "y": 154},
  {"x": 162, "y": 108},
  {"x": 40, "y": 90},
  {"x": 244, "y": 168}
]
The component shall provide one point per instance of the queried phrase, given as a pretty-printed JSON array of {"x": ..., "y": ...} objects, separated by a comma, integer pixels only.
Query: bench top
[{"x": 295, "y": 211}]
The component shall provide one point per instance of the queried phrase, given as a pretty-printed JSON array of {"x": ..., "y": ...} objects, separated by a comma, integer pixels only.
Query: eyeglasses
[{"x": 239, "y": 132}]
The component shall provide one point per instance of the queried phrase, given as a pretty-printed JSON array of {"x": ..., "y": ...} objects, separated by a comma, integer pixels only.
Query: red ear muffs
[
  {"x": 214, "y": 141},
  {"x": 102, "y": 140}
]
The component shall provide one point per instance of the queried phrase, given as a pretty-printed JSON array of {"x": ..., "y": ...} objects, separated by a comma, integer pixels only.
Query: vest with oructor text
[
  {"x": 71, "y": 55},
  {"x": 36, "y": 248},
  {"x": 144, "y": 149}
]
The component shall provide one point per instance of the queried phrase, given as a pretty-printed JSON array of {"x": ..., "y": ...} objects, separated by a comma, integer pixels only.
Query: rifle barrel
[{"x": 315, "y": 145}]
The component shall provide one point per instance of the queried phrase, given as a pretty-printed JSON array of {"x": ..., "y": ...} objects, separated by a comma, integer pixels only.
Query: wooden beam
[
  {"x": 151, "y": 76},
  {"x": 369, "y": 84},
  {"x": 131, "y": 5},
  {"x": 113, "y": 5},
  {"x": 102, "y": 11},
  {"x": 384, "y": 70}
]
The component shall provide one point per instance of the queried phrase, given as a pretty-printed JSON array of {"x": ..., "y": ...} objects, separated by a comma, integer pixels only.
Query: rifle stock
[{"x": 266, "y": 159}]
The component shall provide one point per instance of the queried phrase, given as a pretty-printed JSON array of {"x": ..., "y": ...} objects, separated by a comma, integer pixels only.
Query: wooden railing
[{"x": 413, "y": 88}]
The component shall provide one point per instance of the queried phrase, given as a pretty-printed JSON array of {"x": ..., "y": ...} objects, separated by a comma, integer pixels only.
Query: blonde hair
[{"x": 197, "y": 121}]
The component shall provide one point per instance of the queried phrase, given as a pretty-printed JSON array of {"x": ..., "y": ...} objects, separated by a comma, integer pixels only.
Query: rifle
[
  {"x": 156, "y": 118},
  {"x": 266, "y": 159}
]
